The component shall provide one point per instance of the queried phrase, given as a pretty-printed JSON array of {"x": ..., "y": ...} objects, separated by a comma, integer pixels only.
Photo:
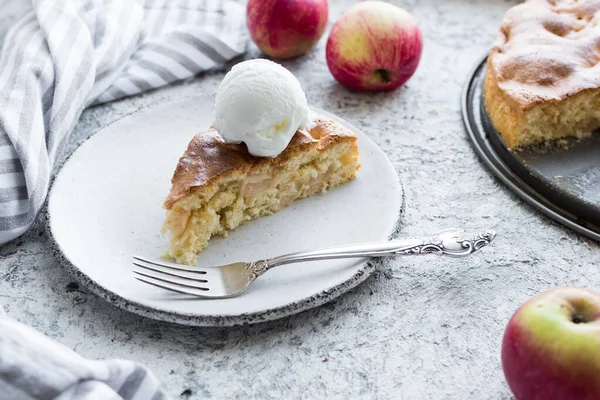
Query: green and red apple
[
  {"x": 374, "y": 46},
  {"x": 551, "y": 347},
  {"x": 286, "y": 28}
]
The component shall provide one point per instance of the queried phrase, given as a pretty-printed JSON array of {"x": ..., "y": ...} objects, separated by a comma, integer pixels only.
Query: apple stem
[
  {"x": 384, "y": 75},
  {"x": 578, "y": 319}
]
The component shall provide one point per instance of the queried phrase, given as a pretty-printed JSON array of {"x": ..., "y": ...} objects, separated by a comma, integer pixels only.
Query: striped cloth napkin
[
  {"x": 34, "y": 367},
  {"x": 66, "y": 55}
]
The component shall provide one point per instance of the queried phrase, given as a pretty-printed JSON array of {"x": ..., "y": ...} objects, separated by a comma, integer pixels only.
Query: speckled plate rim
[
  {"x": 503, "y": 172},
  {"x": 304, "y": 304}
]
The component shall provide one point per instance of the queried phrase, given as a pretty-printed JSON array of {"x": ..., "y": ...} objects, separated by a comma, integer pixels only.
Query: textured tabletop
[{"x": 419, "y": 328}]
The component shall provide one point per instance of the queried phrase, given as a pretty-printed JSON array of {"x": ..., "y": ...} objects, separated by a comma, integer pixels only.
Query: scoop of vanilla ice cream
[{"x": 261, "y": 104}]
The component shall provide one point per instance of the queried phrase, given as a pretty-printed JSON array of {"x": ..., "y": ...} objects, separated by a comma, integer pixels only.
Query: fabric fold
[{"x": 33, "y": 366}]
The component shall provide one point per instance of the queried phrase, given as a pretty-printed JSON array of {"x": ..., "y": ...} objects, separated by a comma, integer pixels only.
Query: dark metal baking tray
[{"x": 563, "y": 182}]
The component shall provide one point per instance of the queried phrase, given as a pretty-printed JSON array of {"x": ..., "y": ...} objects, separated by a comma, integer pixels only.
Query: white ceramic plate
[{"x": 106, "y": 205}]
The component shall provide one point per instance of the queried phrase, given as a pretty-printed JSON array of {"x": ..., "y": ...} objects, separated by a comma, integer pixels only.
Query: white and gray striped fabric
[
  {"x": 66, "y": 55},
  {"x": 34, "y": 367}
]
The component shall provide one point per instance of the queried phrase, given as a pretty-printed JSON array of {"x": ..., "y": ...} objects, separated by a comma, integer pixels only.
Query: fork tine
[
  {"x": 165, "y": 278},
  {"x": 169, "y": 265},
  {"x": 171, "y": 287},
  {"x": 167, "y": 271}
]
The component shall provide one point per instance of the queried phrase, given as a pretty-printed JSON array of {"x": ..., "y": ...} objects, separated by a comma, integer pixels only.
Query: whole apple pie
[{"x": 543, "y": 74}]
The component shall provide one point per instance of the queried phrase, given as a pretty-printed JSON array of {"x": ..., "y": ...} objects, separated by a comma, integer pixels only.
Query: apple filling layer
[{"x": 242, "y": 196}]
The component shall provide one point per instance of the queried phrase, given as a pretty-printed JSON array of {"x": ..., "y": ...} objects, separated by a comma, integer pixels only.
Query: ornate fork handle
[{"x": 450, "y": 242}]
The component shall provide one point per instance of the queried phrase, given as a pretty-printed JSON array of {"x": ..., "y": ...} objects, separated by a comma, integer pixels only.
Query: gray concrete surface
[{"x": 420, "y": 328}]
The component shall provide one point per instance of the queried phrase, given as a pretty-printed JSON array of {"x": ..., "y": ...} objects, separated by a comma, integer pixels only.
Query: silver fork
[{"x": 233, "y": 279}]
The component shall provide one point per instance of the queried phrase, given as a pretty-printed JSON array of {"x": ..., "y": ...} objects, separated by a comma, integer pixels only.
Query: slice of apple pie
[{"x": 218, "y": 186}]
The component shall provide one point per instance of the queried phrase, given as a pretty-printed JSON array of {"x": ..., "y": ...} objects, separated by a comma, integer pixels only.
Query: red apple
[
  {"x": 374, "y": 46},
  {"x": 551, "y": 347},
  {"x": 286, "y": 28}
]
